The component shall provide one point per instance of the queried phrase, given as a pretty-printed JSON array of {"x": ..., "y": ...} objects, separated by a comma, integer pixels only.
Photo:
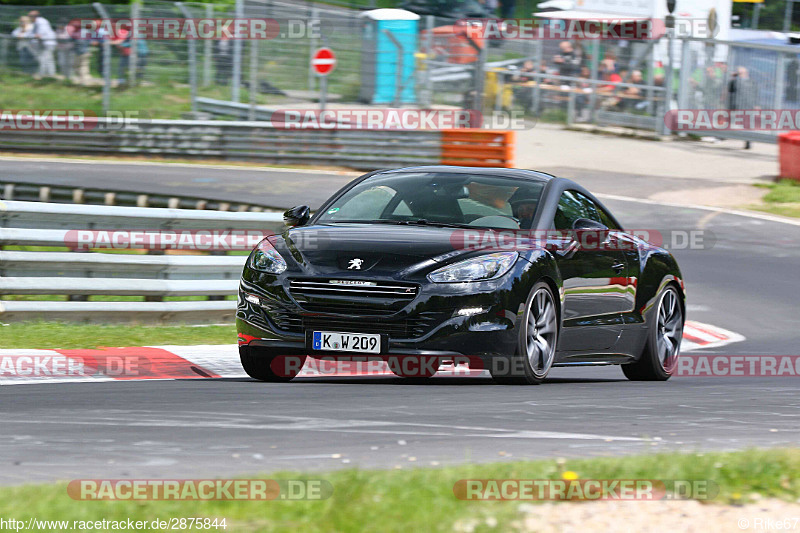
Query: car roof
[{"x": 519, "y": 173}]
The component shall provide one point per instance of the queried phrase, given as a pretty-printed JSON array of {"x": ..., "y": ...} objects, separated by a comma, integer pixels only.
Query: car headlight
[
  {"x": 489, "y": 266},
  {"x": 265, "y": 258}
]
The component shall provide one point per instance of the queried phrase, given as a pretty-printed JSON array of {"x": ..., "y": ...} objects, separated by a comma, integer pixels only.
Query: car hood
[{"x": 377, "y": 249}]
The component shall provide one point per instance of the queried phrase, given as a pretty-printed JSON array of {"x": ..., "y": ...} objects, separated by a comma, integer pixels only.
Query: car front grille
[
  {"x": 406, "y": 328},
  {"x": 350, "y": 297}
]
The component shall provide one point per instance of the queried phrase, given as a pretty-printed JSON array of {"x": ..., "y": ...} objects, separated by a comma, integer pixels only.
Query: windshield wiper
[
  {"x": 425, "y": 222},
  {"x": 413, "y": 222}
]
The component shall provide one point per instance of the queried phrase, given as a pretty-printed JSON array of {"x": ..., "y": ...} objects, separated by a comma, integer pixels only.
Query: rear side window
[{"x": 573, "y": 205}]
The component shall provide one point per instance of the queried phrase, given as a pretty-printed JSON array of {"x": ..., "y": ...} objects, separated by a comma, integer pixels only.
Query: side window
[
  {"x": 596, "y": 213},
  {"x": 570, "y": 208},
  {"x": 607, "y": 220},
  {"x": 402, "y": 210},
  {"x": 574, "y": 205}
]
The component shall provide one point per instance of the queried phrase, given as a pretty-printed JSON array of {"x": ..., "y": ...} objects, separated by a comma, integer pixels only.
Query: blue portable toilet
[{"x": 380, "y": 56}]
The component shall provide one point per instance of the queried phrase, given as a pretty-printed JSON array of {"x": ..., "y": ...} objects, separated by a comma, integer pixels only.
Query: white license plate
[{"x": 347, "y": 342}]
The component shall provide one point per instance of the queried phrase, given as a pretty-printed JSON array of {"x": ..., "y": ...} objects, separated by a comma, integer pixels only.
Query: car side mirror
[
  {"x": 588, "y": 224},
  {"x": 297, "y": 216}
]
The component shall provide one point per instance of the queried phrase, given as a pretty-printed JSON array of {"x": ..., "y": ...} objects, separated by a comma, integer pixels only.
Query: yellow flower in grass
[{"x": 569, "y": 475}]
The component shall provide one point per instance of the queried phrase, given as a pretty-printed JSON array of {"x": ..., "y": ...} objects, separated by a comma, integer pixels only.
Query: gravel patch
[{"x": 631, "y": 516}]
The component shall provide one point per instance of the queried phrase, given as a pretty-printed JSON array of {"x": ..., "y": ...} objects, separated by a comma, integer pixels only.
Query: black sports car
[{"x": 515, "y": 270}]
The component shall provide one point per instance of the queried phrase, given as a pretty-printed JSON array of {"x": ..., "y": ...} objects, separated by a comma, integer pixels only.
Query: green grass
[
  {"x": 46, "y": 335},
  {"x": 162, "y": 100},
  {"x": 782, "y": 199},
  {"x": 422, "y": 499},
  {"x": 784, "y": 191}
]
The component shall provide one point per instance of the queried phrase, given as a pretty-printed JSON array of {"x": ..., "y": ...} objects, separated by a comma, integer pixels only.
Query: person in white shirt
[
  {"x": 25, "y": 45},
  {"x": 43, "y": 31}
]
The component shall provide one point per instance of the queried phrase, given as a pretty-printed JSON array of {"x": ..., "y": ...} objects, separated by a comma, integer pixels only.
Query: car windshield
[{"x": 446, "y": 199}]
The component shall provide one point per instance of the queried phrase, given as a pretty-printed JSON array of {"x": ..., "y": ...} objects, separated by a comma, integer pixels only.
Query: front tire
[
  {"x": 660, "y": 356},
  {"x": 261, "y": 364},
  {"x": 537, "y": 341}
]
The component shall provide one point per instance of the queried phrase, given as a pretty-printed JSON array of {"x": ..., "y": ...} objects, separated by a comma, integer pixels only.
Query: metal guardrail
[
  {"x": 91, "y": 273},
  {"x": 37, "y": 192},
  {"x": 237, "y": 140},
  {"x": 50, "y": 216}
]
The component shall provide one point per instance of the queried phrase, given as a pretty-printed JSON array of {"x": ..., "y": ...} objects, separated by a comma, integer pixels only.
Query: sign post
[
  {"x": 323, "y": 62},
  {"x": 669, "y": 22}
]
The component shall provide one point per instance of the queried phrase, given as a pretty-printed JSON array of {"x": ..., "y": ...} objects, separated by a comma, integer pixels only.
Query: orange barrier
[
  {"x": 789, "y": 154},
  {"x": 478, "y": 148},
  {"x": 451, "y": 43}
]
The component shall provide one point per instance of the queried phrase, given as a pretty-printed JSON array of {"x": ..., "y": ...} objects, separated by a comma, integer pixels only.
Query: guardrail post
[
  {"x": 207, "y": 50},
  {"x": 477, "y": 102},
  {"x": 237, "y": 56},
  {"x": 687, "y": 66},
  {"x": 313, "y": 44},
  {"x": 106, "y": 51},
  {"x": 595, "y": 68},
  {"x": 251, "y": 113},
  {"x": 571, "y": 108},
  {"x": 134, "y": 52},
  {"x": 780, "y": 82},
  {"x": 192, "y": 61},
  {"x": 427, "y": 93}
]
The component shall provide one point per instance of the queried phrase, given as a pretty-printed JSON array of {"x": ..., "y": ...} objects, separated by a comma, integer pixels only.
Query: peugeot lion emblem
[{"x": 355, "y": 264}]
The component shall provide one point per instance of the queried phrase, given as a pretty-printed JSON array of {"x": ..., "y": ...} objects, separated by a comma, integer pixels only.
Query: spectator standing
[
  {"x": 26, "y": 47},
  {"x": 98, "y": 39},
  {"x": 43, "y": 31},
  {"x": 568, "y": 62},
  {"x": 742, "y": 93},
  {"x": 124, "y": 45},
  {"x": 64, "y": 50},
  {"x": 81, "y": 55}
]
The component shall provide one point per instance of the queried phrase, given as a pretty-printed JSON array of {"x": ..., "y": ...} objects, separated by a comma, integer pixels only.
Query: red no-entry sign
[{"x": 323, "y": 61}]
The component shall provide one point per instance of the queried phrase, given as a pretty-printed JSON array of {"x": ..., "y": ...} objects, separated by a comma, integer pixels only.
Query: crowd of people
[
  {"x": 620, "y": 88},
  {"x": 66, "y": 51},
  {"x": 571, "y": 62}
]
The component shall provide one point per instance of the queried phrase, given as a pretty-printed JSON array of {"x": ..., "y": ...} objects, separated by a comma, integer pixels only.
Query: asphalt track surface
[{"x": 745, "y": 279}]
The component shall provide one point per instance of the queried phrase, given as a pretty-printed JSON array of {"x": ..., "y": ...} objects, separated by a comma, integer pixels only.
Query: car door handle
[{"x": 618, "y": 267}]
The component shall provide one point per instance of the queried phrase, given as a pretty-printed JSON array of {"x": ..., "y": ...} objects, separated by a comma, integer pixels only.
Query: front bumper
[{"x": 431, "y": 326}]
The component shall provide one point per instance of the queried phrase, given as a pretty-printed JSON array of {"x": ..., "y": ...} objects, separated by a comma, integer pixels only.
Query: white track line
[
  {"x": 725, "y": 210},
  {"x": 223, "y": 360}
]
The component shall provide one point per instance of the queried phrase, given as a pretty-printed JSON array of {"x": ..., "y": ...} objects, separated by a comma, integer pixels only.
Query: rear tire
[
  {"x": 258, "y": 363},
  {"x": 536, "y": 343},
  {"x": 660, "y": 355}
]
